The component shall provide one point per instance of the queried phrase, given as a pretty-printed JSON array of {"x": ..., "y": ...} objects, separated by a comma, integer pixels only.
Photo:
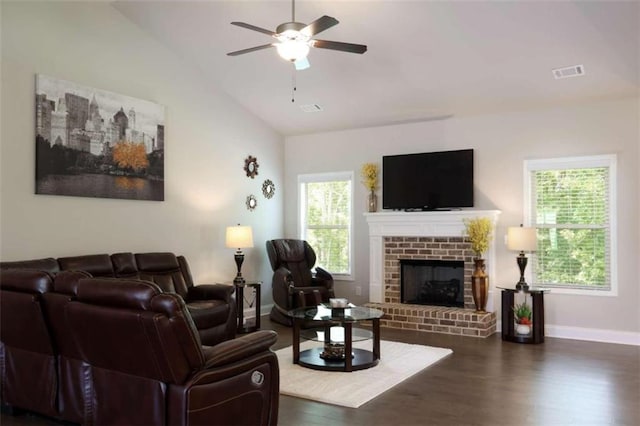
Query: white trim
[
  {"x": 421, "y": 224},
  {"x": 605, "y": 160},
  {"x": 587, "y": 334}
]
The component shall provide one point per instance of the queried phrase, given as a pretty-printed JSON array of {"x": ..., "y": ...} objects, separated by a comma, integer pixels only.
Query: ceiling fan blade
[
  {"x": 302, "y": 64},
  {"x": 338, "y": 45},
  {"x": 249, "y": 50},
  {"x": 254, "y": 28},
  {"x": 319, "y": 25}
]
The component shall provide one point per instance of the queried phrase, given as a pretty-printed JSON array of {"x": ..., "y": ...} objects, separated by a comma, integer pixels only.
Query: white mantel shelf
[{"x": 418, "y": 224}]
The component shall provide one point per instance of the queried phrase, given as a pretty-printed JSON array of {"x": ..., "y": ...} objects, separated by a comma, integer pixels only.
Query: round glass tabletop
[{"x": 326, "y": 313}]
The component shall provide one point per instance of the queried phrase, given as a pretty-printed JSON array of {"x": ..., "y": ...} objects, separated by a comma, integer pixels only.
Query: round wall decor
[
  {"x": 251, "y": 202},
  {"x": 268, "y": 188},
  {"x": 251, "y": 166}
]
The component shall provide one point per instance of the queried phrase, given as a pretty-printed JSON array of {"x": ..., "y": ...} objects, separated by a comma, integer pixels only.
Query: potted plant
[
  {"x": 478, "y": 231},
  {"x": 522, "y": 313},
  {"x": 369, "y": 173}
]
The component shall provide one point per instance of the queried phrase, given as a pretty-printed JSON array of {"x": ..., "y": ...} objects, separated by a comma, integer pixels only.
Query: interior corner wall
[
  {"x": 501, "y": 143},
  {"x": 207, "y": 136}
]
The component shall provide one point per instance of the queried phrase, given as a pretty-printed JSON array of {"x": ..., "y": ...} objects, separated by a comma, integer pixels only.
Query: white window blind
[
  {"x": 326, "y": 219},
  {"x": 571, "y": 207}
]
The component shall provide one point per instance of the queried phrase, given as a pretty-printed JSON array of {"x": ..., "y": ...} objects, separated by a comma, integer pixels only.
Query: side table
[
  {"x": 251, "y": 324},
  {"x": 508, "y": 323}
]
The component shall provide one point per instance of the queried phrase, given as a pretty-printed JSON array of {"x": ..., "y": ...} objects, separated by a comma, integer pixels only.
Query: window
[
  {"x": 571, "y": 202},
  {"x": 326, "y": 219}
]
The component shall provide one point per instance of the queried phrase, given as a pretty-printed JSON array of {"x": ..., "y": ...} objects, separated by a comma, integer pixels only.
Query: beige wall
[
  {"x": 501, "y": 143},
  {"x": 207, "y": 138}
]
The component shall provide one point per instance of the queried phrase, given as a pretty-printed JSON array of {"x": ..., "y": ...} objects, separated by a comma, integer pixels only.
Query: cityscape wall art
[{"x": 95, "y": 143}]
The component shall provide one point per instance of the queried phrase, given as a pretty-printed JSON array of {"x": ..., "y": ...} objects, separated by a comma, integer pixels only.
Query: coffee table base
[{"x": 362, "y": 359}]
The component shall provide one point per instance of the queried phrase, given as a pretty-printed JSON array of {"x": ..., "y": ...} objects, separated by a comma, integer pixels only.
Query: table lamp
[
  {"x": 239, "y": 237},
  {"x": 522, "y": 239}
]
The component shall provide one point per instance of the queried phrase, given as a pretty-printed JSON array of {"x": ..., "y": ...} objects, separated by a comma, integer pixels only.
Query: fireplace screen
[{"x": 432, "y": 282}]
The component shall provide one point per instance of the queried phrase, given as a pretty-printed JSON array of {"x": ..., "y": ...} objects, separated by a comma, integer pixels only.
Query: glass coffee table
[{"x": 334, "y": 327}]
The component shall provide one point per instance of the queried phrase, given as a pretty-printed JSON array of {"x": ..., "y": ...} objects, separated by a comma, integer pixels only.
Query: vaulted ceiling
[{"x": 426, "y": 60}]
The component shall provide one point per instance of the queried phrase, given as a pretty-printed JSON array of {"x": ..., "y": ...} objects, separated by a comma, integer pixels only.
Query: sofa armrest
[
  {"x": 210, "y": 291},
  {"x": 239, "y": 348}
]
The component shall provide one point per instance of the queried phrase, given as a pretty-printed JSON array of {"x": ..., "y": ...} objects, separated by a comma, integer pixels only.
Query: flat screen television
[{"x": 428, "y": 181}]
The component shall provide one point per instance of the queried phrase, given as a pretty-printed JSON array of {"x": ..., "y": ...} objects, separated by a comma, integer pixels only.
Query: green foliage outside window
[
  {"x": 328, "y": 219},
  {"x": 571, "y": 216}
]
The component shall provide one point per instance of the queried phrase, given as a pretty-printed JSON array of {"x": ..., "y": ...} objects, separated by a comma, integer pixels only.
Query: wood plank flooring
[{"x": 484, "y": 382}]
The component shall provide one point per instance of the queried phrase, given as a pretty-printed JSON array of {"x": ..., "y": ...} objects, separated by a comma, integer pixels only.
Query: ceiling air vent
[
  {"x": 311, "y": 108},
  {"x": 573, "y": 71}
]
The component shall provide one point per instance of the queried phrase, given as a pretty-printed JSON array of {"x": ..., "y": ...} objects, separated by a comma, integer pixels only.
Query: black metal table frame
[
  {"x": 361, "y": 359},
  {"x": 242, "y": 327},
  {"x": 508, "y": 327}
]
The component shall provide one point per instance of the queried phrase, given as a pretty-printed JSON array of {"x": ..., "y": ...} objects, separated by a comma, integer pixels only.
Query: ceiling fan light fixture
[
  {"x": 293, "y": 50},
  {"x": 293, "y": 45}
]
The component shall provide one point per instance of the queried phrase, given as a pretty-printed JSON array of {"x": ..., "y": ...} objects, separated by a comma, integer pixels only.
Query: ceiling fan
[{"x": 294, "y": 39}]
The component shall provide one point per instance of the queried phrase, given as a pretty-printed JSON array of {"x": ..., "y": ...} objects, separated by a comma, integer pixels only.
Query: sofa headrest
[
  {"x": 66, "y": 282},
  {"x": 26, "y": 281},
  {"x": 98, "y": 265},
  {"x": 48, "y": 264},
  {"x": 286, "y": 251},
  {"x": 117, "y": 292},
  {"x": 157, "y": 262},
  {"x": 124, "y": 264}
]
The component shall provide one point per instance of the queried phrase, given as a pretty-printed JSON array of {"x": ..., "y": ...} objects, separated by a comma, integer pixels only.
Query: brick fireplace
[{"x": 426, "y": 235}]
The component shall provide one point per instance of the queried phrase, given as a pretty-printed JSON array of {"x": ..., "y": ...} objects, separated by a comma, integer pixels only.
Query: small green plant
[{"x": 522, "y": 313}]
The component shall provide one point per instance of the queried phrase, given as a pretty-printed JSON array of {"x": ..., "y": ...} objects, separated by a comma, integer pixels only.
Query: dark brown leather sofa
[
  {"x": 211, "y": 305},
  {"x": 122, "y": 351}
]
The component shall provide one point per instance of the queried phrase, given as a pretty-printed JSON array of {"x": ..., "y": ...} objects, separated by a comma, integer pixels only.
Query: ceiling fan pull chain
[
  {"x": 293, "y": 86},
  {"x": 293, "y": 10}
]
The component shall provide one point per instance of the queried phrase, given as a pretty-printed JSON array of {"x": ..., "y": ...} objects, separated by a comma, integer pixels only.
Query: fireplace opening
[{"x": 432, "y": 282}]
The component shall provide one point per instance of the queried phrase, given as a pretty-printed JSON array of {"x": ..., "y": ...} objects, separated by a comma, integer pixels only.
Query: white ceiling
[{"x": 426, "y": 60}]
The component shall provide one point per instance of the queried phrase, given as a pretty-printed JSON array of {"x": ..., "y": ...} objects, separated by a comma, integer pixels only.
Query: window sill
[{"x": 581, "y": 291}]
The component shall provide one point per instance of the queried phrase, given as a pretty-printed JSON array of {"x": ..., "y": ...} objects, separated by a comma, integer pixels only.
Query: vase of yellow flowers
[
  {"x": 478, "y": 232},
  {"x": 369, "y": 175}
]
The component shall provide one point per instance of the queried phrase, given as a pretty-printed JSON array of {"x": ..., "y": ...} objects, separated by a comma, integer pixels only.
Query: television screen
[{"x": 428, "y": 181}]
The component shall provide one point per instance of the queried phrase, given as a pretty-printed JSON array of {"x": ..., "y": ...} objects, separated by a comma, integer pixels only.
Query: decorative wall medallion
[
  {"x": 251, "y": 166},
  {"x": 251, "y": 202},
  {"x": 268, "y": 188}
]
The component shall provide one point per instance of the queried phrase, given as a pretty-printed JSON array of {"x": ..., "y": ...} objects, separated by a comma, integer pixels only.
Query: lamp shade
[
  {"x": 521, "y": 239},
  {"x": 239, "y": 237}
]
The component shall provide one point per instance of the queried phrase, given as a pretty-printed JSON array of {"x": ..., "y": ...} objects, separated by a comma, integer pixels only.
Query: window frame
[
  {"x": 607, "y": 160},
  {"x": 304, "y": 179}
]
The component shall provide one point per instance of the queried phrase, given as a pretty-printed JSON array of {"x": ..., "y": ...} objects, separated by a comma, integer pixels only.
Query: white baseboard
[{"x": 588, "y": 334}]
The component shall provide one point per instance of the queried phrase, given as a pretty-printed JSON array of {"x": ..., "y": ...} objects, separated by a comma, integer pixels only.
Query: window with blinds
[
  {"x": 326, "y": 219},
  {"x": 571, "y": 204}
]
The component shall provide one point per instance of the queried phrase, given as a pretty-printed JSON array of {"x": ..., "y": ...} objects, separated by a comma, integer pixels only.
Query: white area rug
[{"x": 398, "y": 361}]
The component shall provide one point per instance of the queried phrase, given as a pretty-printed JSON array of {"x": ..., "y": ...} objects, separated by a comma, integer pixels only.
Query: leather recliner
[
  {"x": 148, "y": 366},
  {"x": 27, "y": 354},
  {"x": 294, "y": 284}
]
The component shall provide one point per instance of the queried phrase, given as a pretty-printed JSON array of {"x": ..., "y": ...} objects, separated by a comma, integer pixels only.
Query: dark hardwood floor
[{"x": 484, "y": 382}]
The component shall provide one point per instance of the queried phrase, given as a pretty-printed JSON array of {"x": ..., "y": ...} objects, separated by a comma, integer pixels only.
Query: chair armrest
[
  {"x": 323, "y": 277},
  {"x": 211, "y": 291},
  {"x": 239, "y": 348}
]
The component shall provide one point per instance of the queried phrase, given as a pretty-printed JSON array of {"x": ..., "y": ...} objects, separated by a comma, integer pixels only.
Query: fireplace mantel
[{"x": 419, "y": 224}]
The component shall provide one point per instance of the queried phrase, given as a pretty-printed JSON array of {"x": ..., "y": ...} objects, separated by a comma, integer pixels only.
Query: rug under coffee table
[{"x": 332, "y": 357}]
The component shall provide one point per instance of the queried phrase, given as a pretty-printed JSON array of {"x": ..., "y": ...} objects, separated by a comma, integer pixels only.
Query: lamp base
[
  {"x": 522, "y": 264},
  {"x": 239, "y": 258}
]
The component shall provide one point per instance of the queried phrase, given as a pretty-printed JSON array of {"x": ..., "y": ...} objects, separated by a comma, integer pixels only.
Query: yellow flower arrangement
[
  {"x": 369, "y": 173},
  {"x": 479, "y": 233}
]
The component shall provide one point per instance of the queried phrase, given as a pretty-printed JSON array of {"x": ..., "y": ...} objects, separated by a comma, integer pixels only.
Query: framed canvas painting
[{"x": 95, "y": 143}]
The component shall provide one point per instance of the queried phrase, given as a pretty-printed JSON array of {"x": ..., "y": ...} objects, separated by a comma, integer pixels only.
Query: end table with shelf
[
  {"x": 509, "y": 333},
  {"x": 251, "y": 324}
]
